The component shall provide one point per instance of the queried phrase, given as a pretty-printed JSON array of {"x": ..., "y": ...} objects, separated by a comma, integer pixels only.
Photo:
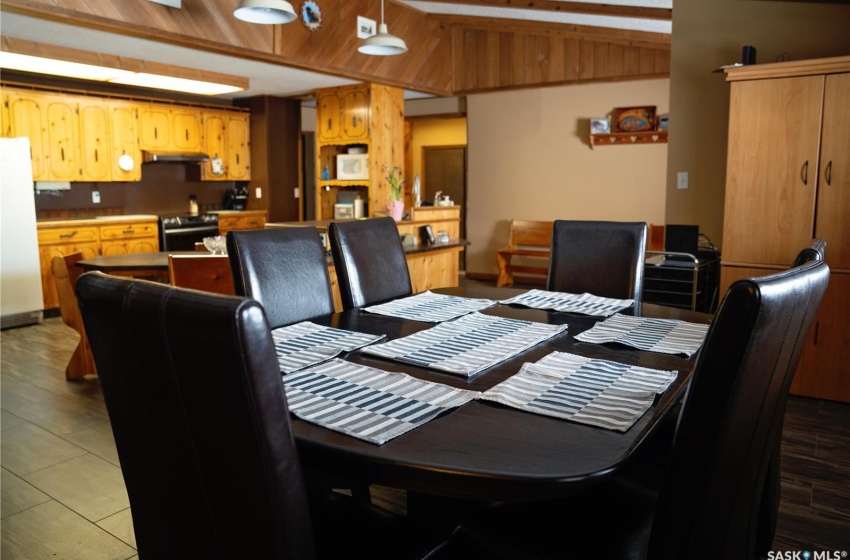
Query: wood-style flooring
[{"x": 63, "y": 495}]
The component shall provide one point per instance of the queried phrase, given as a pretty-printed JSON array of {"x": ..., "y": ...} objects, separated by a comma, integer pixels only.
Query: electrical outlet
[
  {"x": 682, "y": 180},
  {"x": 297, "y": 193},
  {"x": 258, "y": 193},
  {"x": 95, "y": 197}
]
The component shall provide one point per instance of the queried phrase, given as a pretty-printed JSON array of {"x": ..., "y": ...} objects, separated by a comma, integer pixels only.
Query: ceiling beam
[{"x": 572, "y": 8}]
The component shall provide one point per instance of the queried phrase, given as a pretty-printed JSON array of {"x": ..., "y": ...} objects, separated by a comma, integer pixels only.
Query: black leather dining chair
[
  {"x": 285, "y": 269},
  {"x": 602, "y": 258},
  {"x": 200, "y": 420},
  {"x": 708, "y": 504},
  {"x": 769, "y": 518},
  {"x": 369, "y": 261}
]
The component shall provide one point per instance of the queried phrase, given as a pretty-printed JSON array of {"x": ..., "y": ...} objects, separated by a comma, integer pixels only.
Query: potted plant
[{"x": 395, "y": 179}]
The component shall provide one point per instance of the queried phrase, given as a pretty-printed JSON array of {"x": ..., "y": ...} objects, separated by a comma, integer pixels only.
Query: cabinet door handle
[
  {"x": 129, "y": 231},
  {"x": 62, "y": 153},
  {"x": 817, "y": 328},
  {"x": 804, "y": 173},
  {"x": 329, "y": 124},
  {"x": 155, "y": 133},
  {"x": 95, "y": 155},
  {"x": 237, "y": 159},
  {"x": 67, "y": 235},
  {"x": 829, "y": 173},
  {"x": 187, "y": 134},
  {"x": 353, "y": 121}
]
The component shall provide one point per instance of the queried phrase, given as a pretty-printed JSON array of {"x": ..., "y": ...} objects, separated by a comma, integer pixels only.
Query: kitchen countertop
[{"x": 99, "y": 220}]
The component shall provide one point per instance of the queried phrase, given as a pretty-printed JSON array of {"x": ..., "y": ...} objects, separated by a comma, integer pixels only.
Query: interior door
[{"x": 444, "y": 169}]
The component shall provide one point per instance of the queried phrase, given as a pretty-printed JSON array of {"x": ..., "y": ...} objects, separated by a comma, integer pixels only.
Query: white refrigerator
[{"x": 21, "y": 300}]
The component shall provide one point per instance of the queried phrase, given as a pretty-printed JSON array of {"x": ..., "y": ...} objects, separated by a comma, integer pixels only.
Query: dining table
[{"x": 483, "y": 450}]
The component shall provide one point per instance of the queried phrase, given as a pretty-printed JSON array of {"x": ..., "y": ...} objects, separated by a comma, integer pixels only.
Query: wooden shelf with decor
[{"x": 617, "y": 138}]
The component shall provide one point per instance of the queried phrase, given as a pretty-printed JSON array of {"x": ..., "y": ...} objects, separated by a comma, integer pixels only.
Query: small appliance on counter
[{"x": 237, "y": 199}]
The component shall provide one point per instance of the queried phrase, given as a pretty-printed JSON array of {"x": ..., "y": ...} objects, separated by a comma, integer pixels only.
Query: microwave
[{"x": 352, "y": 166}]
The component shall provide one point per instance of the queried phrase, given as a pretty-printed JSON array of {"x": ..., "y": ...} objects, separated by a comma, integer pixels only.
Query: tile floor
[{"x": 63, "y": 495}]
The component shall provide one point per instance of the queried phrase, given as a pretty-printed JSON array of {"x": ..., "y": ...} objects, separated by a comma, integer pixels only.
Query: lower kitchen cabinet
[
  {"x": 95, "y": 237},
  {"x": 240, "y": 219}
]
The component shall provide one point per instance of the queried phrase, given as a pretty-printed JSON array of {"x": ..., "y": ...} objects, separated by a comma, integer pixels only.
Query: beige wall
[
  {"x": 434, "y": 132},
  {"x": 707, "y": 35},
  {"x": 530, "y": 158}
]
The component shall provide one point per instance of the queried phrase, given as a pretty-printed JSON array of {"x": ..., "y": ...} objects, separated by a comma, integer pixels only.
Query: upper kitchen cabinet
[
  {"x": 226, "y": 141},
  {"x": 788, "y": 181},
  {"x": 366, "y": 122},
  {"x": 124, "y": 134},
  {"x": 94, "y": 145},
  {"x": 26, "y": 118},
  {"x": 170, "y": 129}
]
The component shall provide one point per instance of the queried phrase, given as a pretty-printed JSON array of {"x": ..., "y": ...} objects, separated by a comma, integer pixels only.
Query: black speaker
[
  {"x": 748, "y": 55},
  {"x": 426, "y": 234}
]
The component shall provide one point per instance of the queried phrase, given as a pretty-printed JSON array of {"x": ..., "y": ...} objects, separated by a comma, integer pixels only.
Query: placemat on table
[
  {"x": 368, "y": 403},
  {"x": 430, "y": 307},
  {"x": 668, "y": 336},
  {"x": 304, "y": 344},
  {"x": 467, "y": 345},
  {"x": 587, "y": 304},
  {"x": 589, "y": 391}
]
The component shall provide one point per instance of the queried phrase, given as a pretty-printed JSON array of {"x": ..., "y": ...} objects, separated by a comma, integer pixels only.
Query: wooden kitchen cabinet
[
  {"x": 130, "y": 237},
  {"x": 170, "y": 129},
  {"x": 124, "y": 136},
  {"x": 95, "y": 147},
  {"x": 116, "y": 235},
  {"x": 788, "y": 180},
  {"x": 241, "y": 219},
  {"x": 27, "y": 118},
  {"x": 63, "y": 139},
  {"x": 369, "y": 116},
  {"x": 227, "y": 136}
]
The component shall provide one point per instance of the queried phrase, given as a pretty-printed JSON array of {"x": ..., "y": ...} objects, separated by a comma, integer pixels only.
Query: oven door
[{"x": 184, "y": 239}]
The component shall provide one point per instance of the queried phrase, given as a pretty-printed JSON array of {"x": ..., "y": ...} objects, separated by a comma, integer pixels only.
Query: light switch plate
[
  {"x": 95, "y": 197},
  {"x": 258, "y": 192},
  {"x": 682, "y": 180}
]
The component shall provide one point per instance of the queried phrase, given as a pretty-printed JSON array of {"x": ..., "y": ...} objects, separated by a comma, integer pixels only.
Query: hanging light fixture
[
  {"x": 265, "y": 11},
  {"x": 382, "y": 43}
]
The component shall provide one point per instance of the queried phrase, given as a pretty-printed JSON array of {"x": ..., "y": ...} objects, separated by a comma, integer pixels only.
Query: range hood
[{"x": 174, "y": 157}]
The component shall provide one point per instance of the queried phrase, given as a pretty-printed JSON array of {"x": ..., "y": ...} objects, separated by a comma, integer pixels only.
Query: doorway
[{"x": 444, "y": 170}]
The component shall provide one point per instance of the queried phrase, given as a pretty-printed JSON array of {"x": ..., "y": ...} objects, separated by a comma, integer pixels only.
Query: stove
[{"x": 180, "y": 233}]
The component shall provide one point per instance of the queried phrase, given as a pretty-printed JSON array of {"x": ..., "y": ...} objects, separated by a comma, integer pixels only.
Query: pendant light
[
  {"x": 265, "y": 11},
  {"x": 382, "y": 43}
]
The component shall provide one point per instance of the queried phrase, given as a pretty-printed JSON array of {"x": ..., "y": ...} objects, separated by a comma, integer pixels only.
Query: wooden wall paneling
[
  {"x": 631, "y": 61},
  {"x": 600, "y": 60},
  {"x": 572, "y": 54},
  {"x": 585, "y": 60},
  {"x": 615, "y": 60},
  {"x": 556, "y": 67}
]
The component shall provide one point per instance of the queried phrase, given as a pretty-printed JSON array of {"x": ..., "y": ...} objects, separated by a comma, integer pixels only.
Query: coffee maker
[{"x": 237, "y": 199}]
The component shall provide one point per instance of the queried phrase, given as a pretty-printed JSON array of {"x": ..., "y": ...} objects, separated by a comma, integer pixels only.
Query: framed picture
[
  {"x": 599, "y": 126},
  {"x": 634, "y": 119}
]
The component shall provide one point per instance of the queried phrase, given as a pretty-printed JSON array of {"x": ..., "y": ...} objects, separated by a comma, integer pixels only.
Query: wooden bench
[{"x": 527, "y": 239}]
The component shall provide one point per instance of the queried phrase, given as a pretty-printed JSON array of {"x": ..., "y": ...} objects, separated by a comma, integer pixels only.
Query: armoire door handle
[
  {"x": 804, "y": 173},
  {"x": 829, "y": 173}
]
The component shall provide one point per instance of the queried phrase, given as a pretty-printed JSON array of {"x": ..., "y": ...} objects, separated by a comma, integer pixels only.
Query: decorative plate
[
  {"x": 311, "y": 15},
  {"x": 634, "y": 119}
]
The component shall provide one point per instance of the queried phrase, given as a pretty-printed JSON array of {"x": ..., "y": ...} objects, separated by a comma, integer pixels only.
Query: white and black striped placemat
[
  {"x": 587, "y": 304},
  {"x": 430, "y": 307},
  {"x": 589, "y": 391},
  {"x": 467, "y": 345},
  {"x": 304, "y": 344},
  {"x": 668, "y": 336},
  {"x": 368, "y": 403}
]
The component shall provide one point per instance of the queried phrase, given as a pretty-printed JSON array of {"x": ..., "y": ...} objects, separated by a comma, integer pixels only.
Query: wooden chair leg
[{"x": 506, "y": 278}]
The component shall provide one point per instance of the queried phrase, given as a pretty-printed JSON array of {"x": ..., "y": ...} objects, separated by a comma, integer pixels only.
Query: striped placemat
[
  {"x": 304, "y": 344},
  {"x": 368, "y": 403},
  {"x": 668, "y": 336},
  {"x": 467, "y": 345},
  {"x": 589, "y": 391},
  {"x": 587, "y": 304},
  {"x": 430, "y": 307}
]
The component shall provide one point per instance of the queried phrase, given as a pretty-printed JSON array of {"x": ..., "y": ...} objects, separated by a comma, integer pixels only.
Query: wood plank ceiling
[{"x": 449, "y": 54}]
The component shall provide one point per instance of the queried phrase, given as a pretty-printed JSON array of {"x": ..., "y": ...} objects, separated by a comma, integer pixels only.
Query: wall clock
[{"x": 311, "y": 15}]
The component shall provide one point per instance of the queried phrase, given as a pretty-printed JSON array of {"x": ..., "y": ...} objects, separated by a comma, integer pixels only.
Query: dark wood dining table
[{"x": 483, "y": 450}]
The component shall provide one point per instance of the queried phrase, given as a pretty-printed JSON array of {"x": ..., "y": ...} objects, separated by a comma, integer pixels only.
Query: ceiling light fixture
[
  {"x": 382, "y": 43},
  {"x": 29, "y": 56},
  {"x": 269, "y": 12}
]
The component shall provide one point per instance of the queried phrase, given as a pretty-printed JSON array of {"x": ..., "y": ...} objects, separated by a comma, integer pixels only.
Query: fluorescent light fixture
[
  {"x": 265, "y": 11},
  {"x": 84, "y": 65},
  {"x": 382, "y": 43}
]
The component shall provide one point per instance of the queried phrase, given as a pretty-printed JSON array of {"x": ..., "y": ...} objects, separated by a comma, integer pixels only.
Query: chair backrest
[
  {"x": 530, "y": 233},
  {"x": 198, "y": 411},
  {"x": 210, "y": 273},
  {"x": 65, "y": 273},
  {"x": 602, "y": 258},
  {"x": 816, "y": 251},
  {"x": 369, "y": 260},
  {"x": 285, "y": 269},
  {"x": 710, "y": 504}
]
